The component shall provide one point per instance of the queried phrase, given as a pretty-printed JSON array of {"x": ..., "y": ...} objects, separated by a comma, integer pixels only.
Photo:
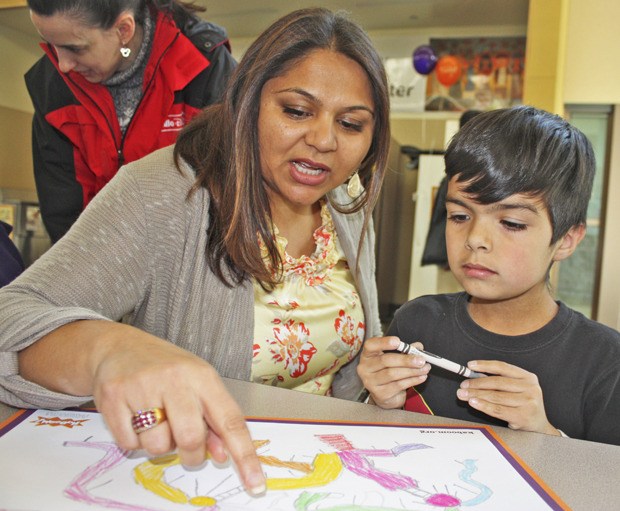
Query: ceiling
[{"x": 247, "y": 18}]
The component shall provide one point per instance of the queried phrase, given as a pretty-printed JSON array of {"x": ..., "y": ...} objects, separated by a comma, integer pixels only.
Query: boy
[{"x": 519, "y": 184}]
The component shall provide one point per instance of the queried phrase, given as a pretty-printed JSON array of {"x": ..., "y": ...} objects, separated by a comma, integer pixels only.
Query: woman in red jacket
[{"x": 120, "y": 78}]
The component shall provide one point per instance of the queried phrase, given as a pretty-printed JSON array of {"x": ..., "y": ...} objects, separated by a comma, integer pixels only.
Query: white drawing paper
[{"x": 68, "y": 461}]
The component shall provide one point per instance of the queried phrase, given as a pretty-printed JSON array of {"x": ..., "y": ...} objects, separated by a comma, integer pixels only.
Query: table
[{"x": 585, "y": 475}]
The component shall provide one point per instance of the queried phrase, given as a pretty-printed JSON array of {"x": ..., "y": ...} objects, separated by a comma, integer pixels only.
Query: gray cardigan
[{"x": 136, "y": 254}]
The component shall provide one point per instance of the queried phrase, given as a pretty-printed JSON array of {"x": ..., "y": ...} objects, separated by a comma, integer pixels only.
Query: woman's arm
[
  {"x": 126, "y": 370},
  {"x": 60, "y": 321}
]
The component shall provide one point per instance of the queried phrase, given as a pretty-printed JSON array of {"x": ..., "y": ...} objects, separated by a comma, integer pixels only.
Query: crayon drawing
[{"x": 310, "y": 466}]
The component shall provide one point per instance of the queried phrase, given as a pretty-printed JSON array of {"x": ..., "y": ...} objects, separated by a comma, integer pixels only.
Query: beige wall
[
  {"x": 571, "y": 53},
  {"x": 544, "y": 55},
  {"x": 15, "y": 154},
  {"x": 19, "y": 52},
  {"x": 592, "y": 73},
  {"x": 422, "y": 130}
]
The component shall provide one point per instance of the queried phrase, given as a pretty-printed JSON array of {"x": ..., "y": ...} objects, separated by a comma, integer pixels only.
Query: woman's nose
[
  {"x": 321, "y": 134},
  {"x": 66, "y": 62}
]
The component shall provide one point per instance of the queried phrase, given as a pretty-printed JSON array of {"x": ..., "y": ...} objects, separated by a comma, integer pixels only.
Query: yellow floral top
[{"x": 312, "y": 323}]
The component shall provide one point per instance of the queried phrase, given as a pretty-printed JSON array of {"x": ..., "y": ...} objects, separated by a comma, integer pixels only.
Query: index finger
[
  {"x": 224, "y": 417},
  {"x": 498, "y": 368},
  {"x": 377, "y": 345}
]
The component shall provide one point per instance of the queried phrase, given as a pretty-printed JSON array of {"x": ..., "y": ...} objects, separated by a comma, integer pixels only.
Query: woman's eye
[
  {"x": 70, "y": 49},
  {"x": 352, "y": 126},
  {"x": 514, "y": 226},
  {"x": 295, "y": 112}
]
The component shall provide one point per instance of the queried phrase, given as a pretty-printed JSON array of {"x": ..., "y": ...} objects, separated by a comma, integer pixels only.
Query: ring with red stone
[{"x": 143, "y": 420}]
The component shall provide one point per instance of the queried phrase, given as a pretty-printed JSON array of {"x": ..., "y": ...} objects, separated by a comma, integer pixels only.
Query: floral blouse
[{"x": 312, "y": 323}]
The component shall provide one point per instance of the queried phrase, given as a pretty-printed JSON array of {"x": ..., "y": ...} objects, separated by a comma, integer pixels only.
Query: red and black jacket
[{"x": 77, "y": 142}]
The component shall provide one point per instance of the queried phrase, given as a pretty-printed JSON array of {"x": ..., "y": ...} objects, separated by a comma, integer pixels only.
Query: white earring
[
  {"x": 354, "y": 186},
  {"x": 125, "y": 52}
]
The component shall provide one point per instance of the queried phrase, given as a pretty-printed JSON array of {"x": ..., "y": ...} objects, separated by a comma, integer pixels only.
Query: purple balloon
[{"x": 424, "y": 59}]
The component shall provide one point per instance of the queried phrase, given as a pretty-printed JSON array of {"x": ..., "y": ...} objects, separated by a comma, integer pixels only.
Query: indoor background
[{"x": 569, "y": 69}]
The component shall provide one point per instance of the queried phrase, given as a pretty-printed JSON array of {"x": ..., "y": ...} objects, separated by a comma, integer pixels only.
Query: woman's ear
[
  {"x": 126, "y": 27},
  {"x": 569, "y": 242}
]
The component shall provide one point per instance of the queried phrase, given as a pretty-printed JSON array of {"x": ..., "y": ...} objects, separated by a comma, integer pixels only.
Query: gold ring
[{"x": 147, "y": 419}]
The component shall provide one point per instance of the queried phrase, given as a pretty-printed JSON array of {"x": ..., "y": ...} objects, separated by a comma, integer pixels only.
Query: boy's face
[{"x": 499, "y": 251}]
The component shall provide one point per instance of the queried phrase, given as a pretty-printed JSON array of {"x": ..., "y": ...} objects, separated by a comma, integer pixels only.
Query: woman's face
[
  {"x": 92, "y": 52},
  {"x": 315, "y": 127}
]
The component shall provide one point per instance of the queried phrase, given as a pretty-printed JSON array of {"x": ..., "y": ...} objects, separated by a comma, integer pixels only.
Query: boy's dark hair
[
  {"x": 529, "y": 151},
  {"x": 467, "y": 116}
]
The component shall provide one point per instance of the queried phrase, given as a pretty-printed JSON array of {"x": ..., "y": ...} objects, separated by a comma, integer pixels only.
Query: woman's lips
[{"x": 309, "y": 172}]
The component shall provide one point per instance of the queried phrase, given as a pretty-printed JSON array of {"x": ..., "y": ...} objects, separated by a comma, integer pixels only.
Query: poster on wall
[
  {"x": 407, "y": 87},
  {"x": 479, "y": 73}
]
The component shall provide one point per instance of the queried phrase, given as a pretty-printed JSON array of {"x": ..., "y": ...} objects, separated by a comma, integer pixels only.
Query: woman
[
  {"x": 249, "y": 258},
  {"x": 120, "y": 78}
]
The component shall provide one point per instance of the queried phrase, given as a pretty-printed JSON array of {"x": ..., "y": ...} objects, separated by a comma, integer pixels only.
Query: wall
[
  {"x": 592, "y": 74},
  {"x": 545, "y": 54},
  {"x": 19, "y": 52},
  {"x": 393, "y": 43},
  {"x": 569, "y": 56},
  {"x": 15, "y": 153}
]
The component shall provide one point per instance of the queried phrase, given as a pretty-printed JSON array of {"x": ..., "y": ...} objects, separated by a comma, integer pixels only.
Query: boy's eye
[
  {"x": 457, "y": 217},
  {"x": 514, "y": 226}
]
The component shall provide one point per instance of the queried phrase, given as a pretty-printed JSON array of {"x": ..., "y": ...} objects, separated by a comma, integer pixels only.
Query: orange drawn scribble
[{"x": 57, "y": 421}]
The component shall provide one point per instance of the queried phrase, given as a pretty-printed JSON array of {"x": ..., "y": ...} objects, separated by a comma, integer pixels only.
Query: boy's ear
[{"x": 569, "y": 242}]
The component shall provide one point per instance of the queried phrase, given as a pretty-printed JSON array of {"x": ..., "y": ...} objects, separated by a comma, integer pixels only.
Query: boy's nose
[{"x": 477, "y": 238}]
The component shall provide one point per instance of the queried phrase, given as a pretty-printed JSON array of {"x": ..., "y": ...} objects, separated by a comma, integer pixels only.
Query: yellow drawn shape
[
  {"x": 203, "y": 501},
  {"x": 324, "y": 469},
  {"x": 327, "y": 467},
  {"x": 150, "y": 475}
]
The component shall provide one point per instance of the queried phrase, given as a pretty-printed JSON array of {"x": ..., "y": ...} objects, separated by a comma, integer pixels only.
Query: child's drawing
[{"x": 309, "y": 467}]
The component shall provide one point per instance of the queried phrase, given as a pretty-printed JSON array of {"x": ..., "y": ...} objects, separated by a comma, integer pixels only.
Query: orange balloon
[{"x": 448, "y": 70}]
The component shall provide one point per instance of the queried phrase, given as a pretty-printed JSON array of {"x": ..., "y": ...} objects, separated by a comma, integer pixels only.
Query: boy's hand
[
  {"x": 387, "y": 376},
  {"x": 513, "y": 395}
]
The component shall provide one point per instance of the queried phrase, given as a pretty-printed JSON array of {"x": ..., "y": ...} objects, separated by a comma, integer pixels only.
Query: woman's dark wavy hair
[
  {"x": 103, "y": 13},
  {"x": 528, "y": 151},
  {"x": 222, "y": 146}
]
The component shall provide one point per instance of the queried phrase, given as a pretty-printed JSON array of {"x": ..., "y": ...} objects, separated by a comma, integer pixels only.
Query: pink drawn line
[
  {"x": 356, "y": 460},
  {"x": 77, "y": 489}
]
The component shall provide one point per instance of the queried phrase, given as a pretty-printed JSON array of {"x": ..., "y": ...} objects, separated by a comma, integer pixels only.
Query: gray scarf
[{"x": 126, "y": 86}]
